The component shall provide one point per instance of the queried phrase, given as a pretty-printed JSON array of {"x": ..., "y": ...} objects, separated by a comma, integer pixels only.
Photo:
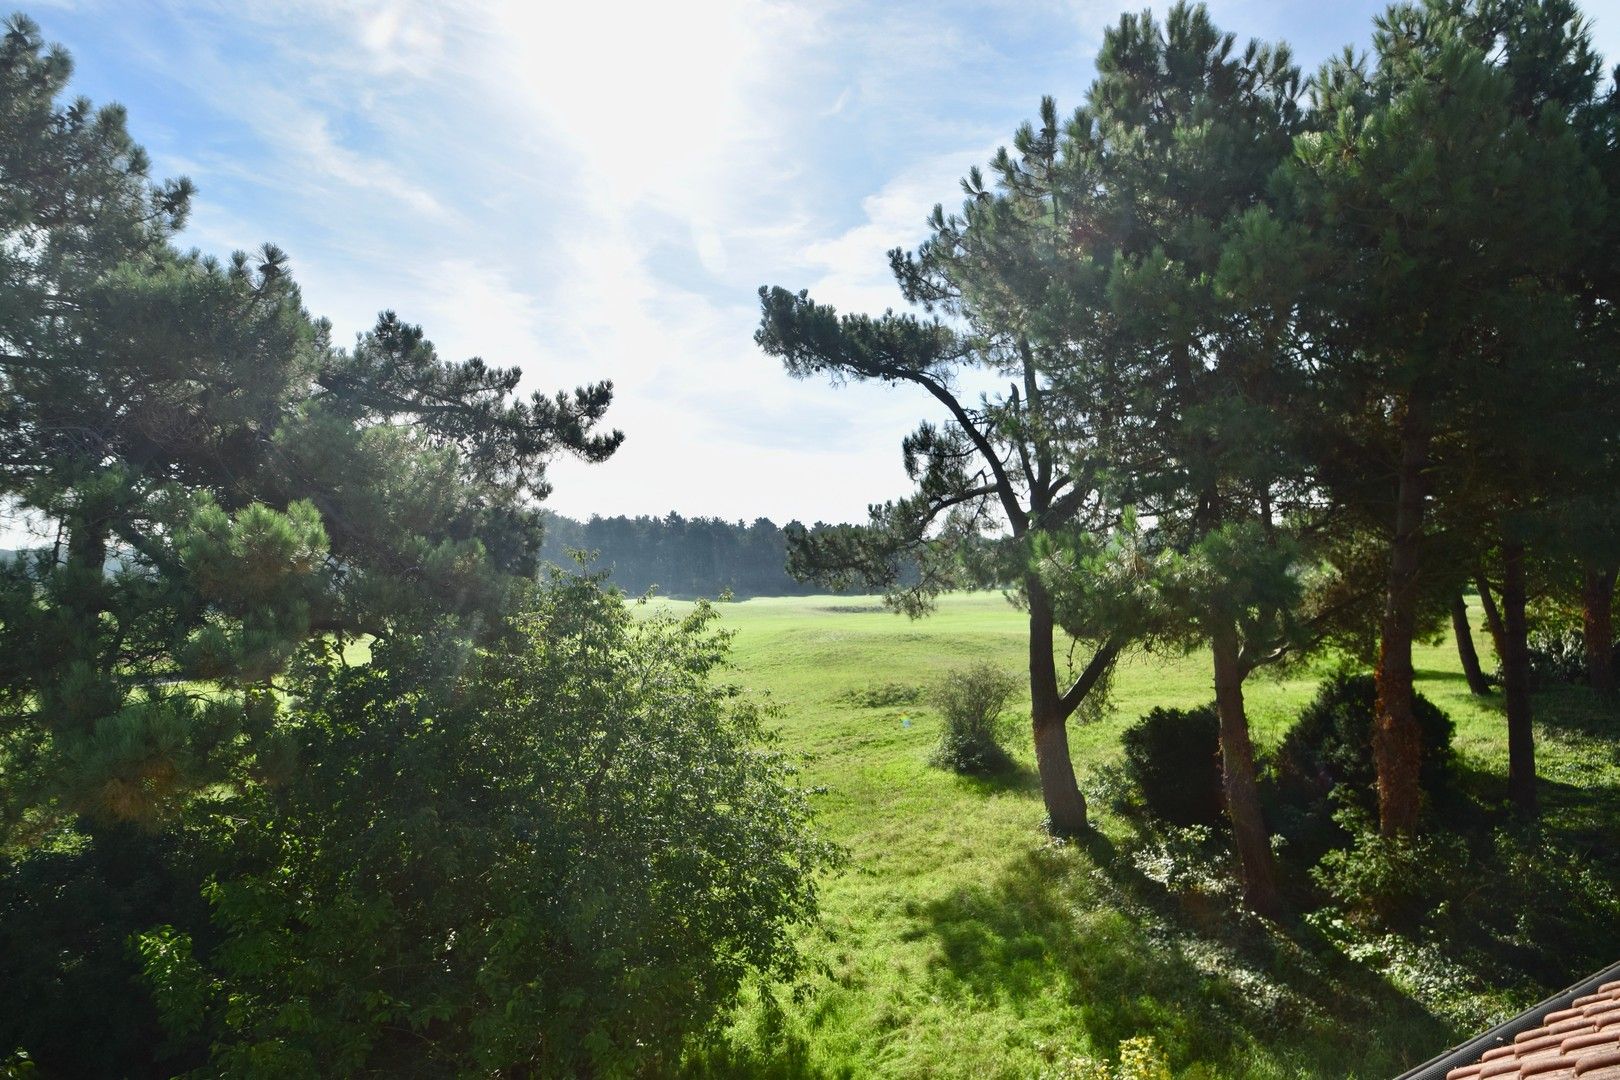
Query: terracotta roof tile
[
  {"x": 1604, "y": 1065},
  {"x": 1553, "y": 1068},
  {"x": 1578, "y": 1042}
]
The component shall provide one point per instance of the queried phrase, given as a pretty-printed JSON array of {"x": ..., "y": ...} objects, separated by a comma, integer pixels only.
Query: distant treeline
[{"x": 680, "y": 556}]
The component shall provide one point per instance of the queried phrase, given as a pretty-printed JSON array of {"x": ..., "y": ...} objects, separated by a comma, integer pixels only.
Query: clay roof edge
[{"x": 1502, "y": 1034}]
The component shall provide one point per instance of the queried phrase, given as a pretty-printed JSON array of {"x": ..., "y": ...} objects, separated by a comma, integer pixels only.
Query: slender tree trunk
[
  {"x": 1396, "y": 743},
  {"x": 1597, "y": 603},
  {"x": 1516, "y": 682},
  {"x": 1237, "y": 772},
  {"x": 1493, "y": 616},
  {"x": 1477, "y": 683},
  {"x": 1065, "y": 806}
]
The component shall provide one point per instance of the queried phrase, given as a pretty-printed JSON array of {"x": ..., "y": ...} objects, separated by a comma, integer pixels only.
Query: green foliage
[
  {"x": 1511, "y": 905},
  {"x": 226, "y": 482},
  {"x": 1389, "y": 879},
  {"x": 971, "y": 702},
  {"x": 1557, "y": 656},
  {"x": 561, "y": 853},
  {"x": 1331, "y": 742},
  {"x": 1173, "y": 756},
  {"x": 181, "y": 989},
  {"x": 68, "y": 915},
  {"x": 1139, "y": 1059}
]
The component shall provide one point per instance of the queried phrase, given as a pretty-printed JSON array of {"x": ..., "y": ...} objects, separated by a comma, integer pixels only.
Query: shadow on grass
[
  {"x": 1013, "y": 776},
  {"x": 1131, "y": 959},
  {"x": 1578, "y": 710},
  {"x": 771, "y": 1053},
  {"x": 1579, "y": 814},
  {"x": 1426, "y": 675}
]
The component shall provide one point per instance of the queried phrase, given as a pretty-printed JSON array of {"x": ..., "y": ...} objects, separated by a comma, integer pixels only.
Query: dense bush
[
  {"x": 558, "y": 855},
  {"x": 67, "y": 912},
  {"x": 971, "y": 702},
  {"x": 1385, "y": 881},
  {"x": 1331, "y": 742},
  {"x": 1557, "y": 656},
  {"x": 1519, "y": 897},
  {"x": 1174, "y": 757}
]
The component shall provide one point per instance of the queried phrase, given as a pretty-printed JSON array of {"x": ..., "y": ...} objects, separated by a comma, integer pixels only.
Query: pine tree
[
  {"x": 225, "y": 482},
  {"x": 1006, "y": 488},
  {"x": 1436, "y": 210}
]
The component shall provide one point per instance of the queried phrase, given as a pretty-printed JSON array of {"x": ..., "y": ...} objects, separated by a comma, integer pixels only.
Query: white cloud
[
  {"x": 854, "y": 265},
  {"x": 595, "y": 192}
]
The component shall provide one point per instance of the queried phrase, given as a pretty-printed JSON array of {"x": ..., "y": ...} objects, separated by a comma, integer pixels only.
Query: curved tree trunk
[
  {"x": 1516, "y": 682},
  {"x": 1238, "y": 778},
  {"x": 1477, "y": 683},
  {"x": 1396, "y": 743},
  {"x": 1597, "y": 611},
  {"x": 1065, "y": 806}
]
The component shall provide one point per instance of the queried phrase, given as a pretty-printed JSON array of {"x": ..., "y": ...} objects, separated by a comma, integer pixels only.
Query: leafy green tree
[
  {"x": 1418, "y": 287},
  {"x": 558, "y": 854},
  {"x": 224, "y": 481}
]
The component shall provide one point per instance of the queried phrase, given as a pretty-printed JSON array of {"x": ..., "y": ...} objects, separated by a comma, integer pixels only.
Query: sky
[{"x": 597, "y": 190}]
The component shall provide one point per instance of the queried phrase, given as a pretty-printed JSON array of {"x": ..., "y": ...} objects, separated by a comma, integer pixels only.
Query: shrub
[
  {"x": 561, "y": 854},
  {"x": 1387, "y": 880},
  {"x": 1331, "y": 742},
  {"x": 971, "y": 702},
  {"x": 1557, "y": 656},
  {"x": 1139, "y": 1059},
  {"x": 1517, "y": 899},
  {"x": 1174, "y": 757}
]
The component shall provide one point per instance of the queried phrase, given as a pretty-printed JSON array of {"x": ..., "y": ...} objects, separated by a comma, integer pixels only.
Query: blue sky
[{"x": 596, "y": 190}]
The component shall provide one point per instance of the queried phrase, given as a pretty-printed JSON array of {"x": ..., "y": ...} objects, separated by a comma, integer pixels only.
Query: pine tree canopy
[{"x": 225, "y": 481}]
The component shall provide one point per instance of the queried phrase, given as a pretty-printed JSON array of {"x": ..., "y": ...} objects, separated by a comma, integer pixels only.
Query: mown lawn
[{"x": 958, "y": 941}]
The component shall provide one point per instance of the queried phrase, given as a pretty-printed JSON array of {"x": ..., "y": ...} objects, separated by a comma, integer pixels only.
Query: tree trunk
[
  {"x": 1597, "y": 603},
  {"x": 1493, "y": 616},
  {"x": 1065, "y": 806},
  {"x": 1477, "y": 683},
  {"x": 1396, "y": 744},
  {"x": 1237, "y": 772},
  {"x": 1516, "y": 682}
]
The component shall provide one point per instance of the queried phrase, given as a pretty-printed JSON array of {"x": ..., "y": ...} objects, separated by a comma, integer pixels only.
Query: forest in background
[{"x": 681, "y": 556}]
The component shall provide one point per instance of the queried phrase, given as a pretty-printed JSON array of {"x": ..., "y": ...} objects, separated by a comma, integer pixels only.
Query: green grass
[{"x": 959, "y": 941}]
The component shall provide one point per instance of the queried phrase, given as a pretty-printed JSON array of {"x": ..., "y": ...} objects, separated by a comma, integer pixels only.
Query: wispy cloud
[{"x": 596, "y": 191}]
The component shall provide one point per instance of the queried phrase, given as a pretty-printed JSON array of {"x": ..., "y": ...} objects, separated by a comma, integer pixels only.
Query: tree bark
[
  {"x": 1516, "y": 682},
  {"x": 1396, "y": 744},
  {"x": 1238, "y": 778},
  {"x": 1493, "y": 616},
  {"x": 1597, "y": 604},
  {"x": 1466, "y": 652},
  {"x": 1065, "y": 806}
]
